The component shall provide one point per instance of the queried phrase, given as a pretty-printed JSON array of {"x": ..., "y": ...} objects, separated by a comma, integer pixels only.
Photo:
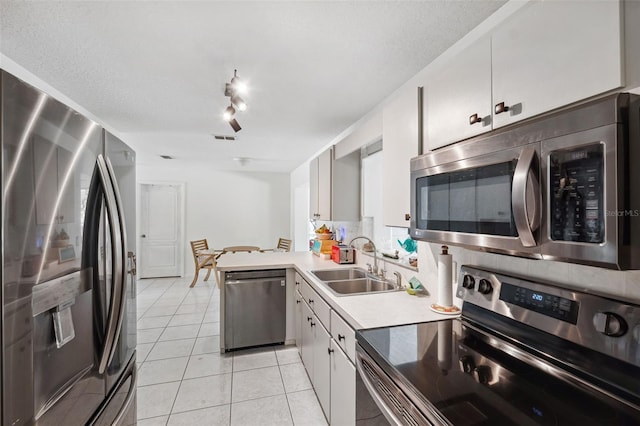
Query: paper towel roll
[{"x": 445, "y": 290}]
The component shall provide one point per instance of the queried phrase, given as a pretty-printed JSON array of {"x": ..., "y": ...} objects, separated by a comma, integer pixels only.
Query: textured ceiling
[{"x": 155, "y": 71}]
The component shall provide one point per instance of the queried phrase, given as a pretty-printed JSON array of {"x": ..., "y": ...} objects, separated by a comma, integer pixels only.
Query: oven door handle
[
  {"x": 526, "y": 212},
  {"x": 388, "y": 413}
]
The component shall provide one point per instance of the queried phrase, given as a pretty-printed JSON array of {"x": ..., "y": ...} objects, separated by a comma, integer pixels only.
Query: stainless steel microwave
[{"x": 563, "y": 187}]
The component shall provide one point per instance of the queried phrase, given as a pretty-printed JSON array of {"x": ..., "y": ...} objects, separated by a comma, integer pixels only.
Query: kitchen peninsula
[
  {"x": 322, "y": 325},
  {"x": 359, "y": 311}
]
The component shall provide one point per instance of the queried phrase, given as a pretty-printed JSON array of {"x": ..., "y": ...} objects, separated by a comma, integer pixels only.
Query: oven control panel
[
  {"x": 538, "y": 301},
  {"x": 600, "y": 323}
]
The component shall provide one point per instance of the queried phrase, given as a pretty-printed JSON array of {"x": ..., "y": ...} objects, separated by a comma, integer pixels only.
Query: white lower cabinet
[
  {"x": 321, "y": 364},
  {"x": 306, "y": 352},
  {"x": 326, "y": 354},
  {"x": 297, "y": 320},
  {"x": 343, "y": 388}
]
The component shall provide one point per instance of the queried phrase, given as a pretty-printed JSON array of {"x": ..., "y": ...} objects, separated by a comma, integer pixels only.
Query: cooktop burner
[{"x": 528, "y": 367}]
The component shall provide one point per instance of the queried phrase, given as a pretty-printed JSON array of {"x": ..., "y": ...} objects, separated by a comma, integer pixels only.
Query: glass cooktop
[{"x": 453, "y": 368}]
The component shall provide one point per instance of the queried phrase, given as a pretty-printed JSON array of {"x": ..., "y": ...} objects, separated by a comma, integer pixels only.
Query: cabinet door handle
[
  {"x": 500, "y": 108},
  {"x": 310, "y": 300},
  {"x": 313, "y": 324},
  {"x": 407, "y": 216},
  {"x": 297, "y": 301},
  {"x": 329, "y": 351},
  {"x": 340, "y": 337},
  {"x": 473, "y": 119},
  {"x": 308, "y": 319}
]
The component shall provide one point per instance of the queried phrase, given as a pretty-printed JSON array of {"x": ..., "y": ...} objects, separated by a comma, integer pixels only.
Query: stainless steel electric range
[{"x": 521, "y": 353}]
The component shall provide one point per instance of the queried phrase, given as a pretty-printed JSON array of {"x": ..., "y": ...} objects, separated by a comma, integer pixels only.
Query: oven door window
[{"x": 475, "y": 200}]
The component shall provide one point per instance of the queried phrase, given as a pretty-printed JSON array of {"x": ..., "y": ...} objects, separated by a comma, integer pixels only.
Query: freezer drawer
[{"x": 255, "y": 308}]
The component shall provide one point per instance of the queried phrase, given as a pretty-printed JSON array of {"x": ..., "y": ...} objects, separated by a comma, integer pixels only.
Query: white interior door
[{"x": 161, "y": 243}]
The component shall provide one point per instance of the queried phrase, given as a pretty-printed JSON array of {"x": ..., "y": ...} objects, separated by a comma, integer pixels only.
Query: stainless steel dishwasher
[{"x": 255, "y": 308}]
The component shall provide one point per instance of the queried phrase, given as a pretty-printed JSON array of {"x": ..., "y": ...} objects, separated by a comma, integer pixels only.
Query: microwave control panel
[{"x": 577, "y": 194}]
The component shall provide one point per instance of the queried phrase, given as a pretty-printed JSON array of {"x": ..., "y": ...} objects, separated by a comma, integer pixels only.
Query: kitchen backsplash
[
  {"x": 618, "y": 284},
  {"x": 386, "y": 239}
]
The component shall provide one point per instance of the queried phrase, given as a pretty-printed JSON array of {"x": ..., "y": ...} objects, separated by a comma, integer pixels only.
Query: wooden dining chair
[
  {"x": 204, "y": 259},
  {"x": 283, "y": 245}
]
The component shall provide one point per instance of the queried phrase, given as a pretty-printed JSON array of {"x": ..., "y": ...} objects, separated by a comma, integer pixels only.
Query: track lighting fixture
[{"x": 232, "y": 90}]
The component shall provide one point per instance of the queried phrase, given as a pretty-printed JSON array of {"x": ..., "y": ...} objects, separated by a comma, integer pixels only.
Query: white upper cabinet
[
  {"x": 458, "y": 98},
  {"x": 320, "y": 186},
  {"x": 547, "y": 55},
  {"x": 552, "y": 54},
  {"x": 345, "y": 187},
  {"x": 314, "y": 182},
  {"x": 399, "y": 145},
  {"x": 334, "y": 192}
]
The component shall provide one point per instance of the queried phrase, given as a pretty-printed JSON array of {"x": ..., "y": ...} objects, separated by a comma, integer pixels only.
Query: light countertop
[{"x": 360, "y": 311}]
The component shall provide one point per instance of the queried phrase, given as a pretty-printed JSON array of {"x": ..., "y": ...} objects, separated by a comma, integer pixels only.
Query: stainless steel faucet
[
  {"x": 398, "y": 279},
  {"x": 375, "y": 251}
]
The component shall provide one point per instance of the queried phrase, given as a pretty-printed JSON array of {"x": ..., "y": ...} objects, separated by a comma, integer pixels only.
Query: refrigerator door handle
[
  {"x": 114, "y": 317},
  {"x": 120, "y": 259},
  {"x": 133, "y": 271}
]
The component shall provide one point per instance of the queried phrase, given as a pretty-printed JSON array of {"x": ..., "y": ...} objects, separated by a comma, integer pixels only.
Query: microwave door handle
[{"x": 525, "y": 216}]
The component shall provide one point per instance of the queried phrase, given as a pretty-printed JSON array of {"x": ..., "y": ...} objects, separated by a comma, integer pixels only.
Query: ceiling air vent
[
  {"x": 167, "y": 157},
  {"x": 224, "y": 138}
]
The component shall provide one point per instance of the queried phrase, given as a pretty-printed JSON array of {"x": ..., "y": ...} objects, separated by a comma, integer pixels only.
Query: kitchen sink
[
  {"x": 359, "y": 286},
  {"x": 352, "y": 281},
  {"x": 340, "y": 274}
]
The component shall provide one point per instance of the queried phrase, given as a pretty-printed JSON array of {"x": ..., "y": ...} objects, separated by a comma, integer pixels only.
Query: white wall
[
  {"x": 300, "y": 207},
  {"x": 228, "y": 208},
  {"x": 366, "y": 131}
]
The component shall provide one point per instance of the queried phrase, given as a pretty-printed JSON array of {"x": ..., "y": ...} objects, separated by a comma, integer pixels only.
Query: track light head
[
  {"x": 239, "y": 102},
  {"x": 234, "y": 125},
  {"x": 229, "y": 113}
]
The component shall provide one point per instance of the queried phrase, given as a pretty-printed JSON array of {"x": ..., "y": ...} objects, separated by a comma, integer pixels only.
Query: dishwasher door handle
[{"x": 279, "y": 280}]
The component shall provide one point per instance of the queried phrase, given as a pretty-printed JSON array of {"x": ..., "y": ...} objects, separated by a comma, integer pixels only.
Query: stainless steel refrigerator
[{"x": 68, "y": 265}]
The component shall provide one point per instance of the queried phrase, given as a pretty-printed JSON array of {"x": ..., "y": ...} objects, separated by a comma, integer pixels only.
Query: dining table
[{"x": 236, "y": 249}]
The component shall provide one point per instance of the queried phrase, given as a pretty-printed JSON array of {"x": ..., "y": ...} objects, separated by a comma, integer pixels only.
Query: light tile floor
[{"x": 184, "y": 380}]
